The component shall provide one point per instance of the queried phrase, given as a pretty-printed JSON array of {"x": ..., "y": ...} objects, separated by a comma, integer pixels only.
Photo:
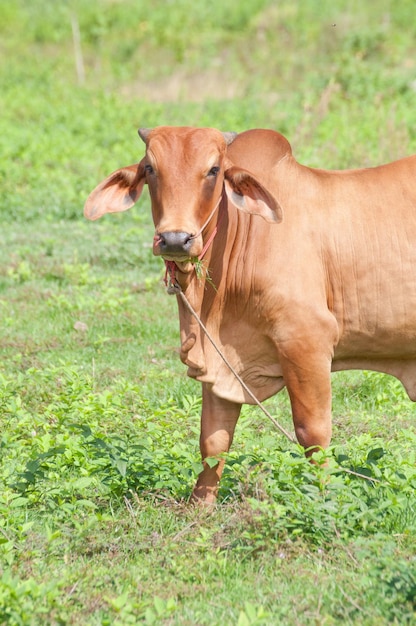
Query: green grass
[{"x": 100, "y": 426}]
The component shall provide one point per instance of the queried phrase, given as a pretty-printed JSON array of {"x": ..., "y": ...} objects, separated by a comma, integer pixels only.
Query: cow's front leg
[
  {"x": 218, "y": 420},
  {"x": 307, "y": 374}
]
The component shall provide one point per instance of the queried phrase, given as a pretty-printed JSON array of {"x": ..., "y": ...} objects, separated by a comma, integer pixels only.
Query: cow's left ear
[
  {"x": 247, "y": 194},
  {"x": 118, "y": 192}
]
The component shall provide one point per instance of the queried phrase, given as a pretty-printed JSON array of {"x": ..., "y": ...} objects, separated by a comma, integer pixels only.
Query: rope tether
[{"x": 177, "y": 289}]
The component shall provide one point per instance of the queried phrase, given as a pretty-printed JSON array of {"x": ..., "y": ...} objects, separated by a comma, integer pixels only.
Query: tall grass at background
[{"x": 99, "y": 424}]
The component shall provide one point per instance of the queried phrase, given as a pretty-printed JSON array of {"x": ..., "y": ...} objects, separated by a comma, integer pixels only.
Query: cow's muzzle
[{"x": 174, "y": 243}]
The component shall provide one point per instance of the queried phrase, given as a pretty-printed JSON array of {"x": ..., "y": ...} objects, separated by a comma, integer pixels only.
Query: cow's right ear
[{"x": 118, "y": 192}]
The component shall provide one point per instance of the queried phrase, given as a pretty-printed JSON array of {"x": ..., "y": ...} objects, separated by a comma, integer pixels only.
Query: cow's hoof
[{"x": 203, "y": 496}]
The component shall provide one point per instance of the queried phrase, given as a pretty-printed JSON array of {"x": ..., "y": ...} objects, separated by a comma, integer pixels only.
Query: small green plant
[{"x": 202, "y": 271}]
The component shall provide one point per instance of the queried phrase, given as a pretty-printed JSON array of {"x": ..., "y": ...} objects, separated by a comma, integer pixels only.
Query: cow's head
[{"x": 187, "y": 172}]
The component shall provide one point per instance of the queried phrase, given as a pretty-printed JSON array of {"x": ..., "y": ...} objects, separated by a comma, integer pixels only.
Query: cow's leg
[
  {"x": 307, "y": 375},
  {"x": 218, "y": 420}
]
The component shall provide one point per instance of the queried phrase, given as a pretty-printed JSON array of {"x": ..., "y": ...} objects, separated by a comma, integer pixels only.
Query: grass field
[{"x": 99, "y": 424}]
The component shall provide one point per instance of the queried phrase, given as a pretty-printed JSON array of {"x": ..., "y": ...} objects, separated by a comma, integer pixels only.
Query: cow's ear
[
  {"x": 118, "y": 192},
  {"x": 247, "y": 194}
]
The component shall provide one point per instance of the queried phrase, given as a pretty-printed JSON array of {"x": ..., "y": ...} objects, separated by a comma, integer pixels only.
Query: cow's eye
[
  {"x": 214, "y": 171},
  {"x": 149, "y": 169}
]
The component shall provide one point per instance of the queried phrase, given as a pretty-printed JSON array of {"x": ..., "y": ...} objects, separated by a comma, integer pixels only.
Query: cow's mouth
[{"x": 184, "y": 265}]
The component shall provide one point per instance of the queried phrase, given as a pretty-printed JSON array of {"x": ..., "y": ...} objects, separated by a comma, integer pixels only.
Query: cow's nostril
[{"x": 174, "y": 242}]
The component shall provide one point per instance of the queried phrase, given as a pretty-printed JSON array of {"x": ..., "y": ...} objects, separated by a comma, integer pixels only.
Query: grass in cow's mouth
[{"x": 202, "y": 271}]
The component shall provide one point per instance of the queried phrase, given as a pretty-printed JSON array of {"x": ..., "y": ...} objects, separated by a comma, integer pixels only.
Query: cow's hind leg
[{"x": 218, "y": 420}]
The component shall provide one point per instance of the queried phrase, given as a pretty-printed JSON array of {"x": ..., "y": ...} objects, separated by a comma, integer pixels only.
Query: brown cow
[{"x": 326, "y": 281}]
